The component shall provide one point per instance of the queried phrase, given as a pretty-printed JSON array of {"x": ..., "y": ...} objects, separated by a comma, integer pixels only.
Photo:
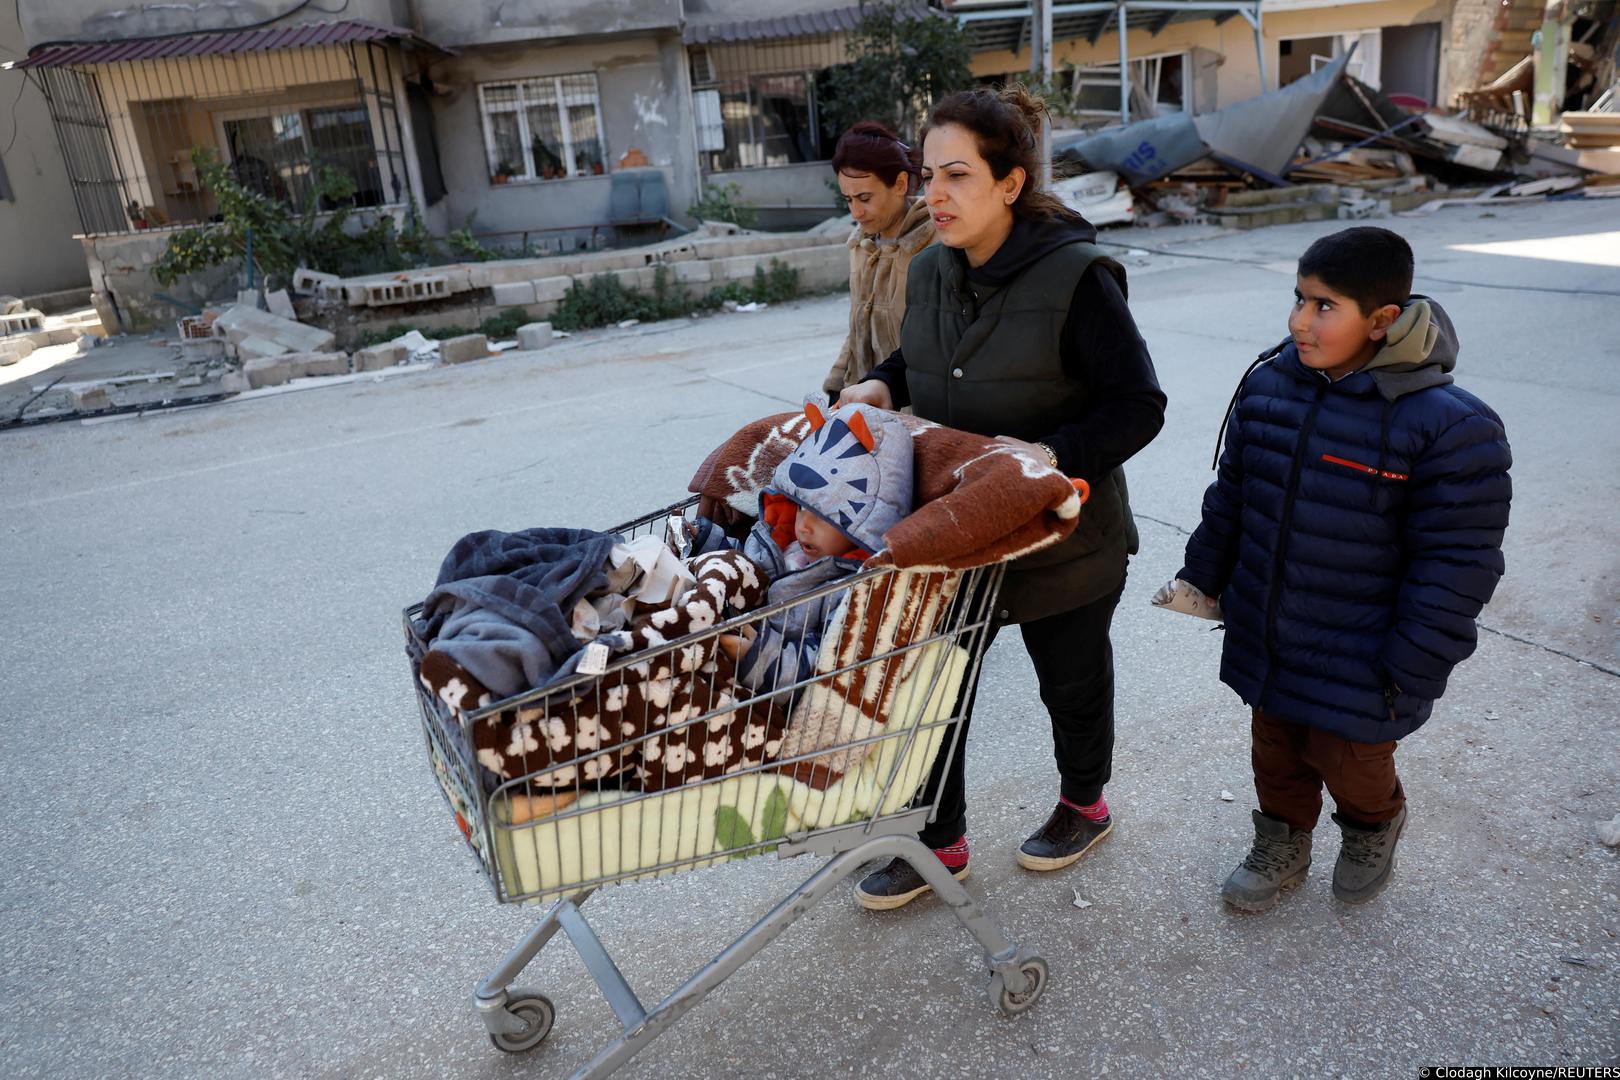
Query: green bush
[
  {"x": 322, "y": 235},
  {"x": 505, "y": 325},
  {"x": 604, "y": 300},
  {"x": 723, "y": 202}
]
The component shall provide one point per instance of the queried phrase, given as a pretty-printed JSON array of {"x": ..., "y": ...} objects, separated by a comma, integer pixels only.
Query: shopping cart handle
[{"x": 1082, "y": 487}]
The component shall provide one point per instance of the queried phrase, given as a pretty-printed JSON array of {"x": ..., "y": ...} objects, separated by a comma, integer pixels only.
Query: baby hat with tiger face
[{"x": 853, "y": 470}]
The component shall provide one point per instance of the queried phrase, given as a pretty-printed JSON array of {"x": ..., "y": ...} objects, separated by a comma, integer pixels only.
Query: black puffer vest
[{"x": 988, "y": 359}]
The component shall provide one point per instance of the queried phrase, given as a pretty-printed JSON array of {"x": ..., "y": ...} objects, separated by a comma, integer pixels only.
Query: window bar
[
  {"x": 401, "y": 165},
  {"x": 561, "y": 105},
  {"x": 54, "y": 101},
  {"x": 379, "y": 125}
]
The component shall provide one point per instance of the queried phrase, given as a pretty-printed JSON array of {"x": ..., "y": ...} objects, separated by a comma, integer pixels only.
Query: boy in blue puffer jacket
[{"x": 1351, "y": 537}]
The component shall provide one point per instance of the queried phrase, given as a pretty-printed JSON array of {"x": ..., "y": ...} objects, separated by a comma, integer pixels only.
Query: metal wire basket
[{"x": 831, "y": 761}]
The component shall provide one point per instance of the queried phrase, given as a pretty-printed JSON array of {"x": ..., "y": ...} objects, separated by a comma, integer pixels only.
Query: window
[
  {"x": 1158, "y": 86},
  {"x": 761, "y": 120},
  {"x": 543, "y": 129},
  {"x": 276, "y": 153}
]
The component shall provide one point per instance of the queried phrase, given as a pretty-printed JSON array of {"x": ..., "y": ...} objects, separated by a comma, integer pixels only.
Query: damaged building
[{"x": 560, "y": 126}]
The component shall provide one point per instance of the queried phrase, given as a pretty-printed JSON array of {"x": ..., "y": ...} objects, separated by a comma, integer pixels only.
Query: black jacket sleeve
[
  {"x": 1103, "y": 351},
  {"x": 892, "y": 373}
]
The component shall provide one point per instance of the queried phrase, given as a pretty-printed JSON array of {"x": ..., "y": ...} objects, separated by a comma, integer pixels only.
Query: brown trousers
[{"x": 1292, "y": 763}]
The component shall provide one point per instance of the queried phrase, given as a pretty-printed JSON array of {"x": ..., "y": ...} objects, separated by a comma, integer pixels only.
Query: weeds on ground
[{"x": 604, "y": 300}]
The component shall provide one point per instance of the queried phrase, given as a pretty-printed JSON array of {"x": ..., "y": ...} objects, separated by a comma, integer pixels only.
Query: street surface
[{"x": 224, "y": 855}]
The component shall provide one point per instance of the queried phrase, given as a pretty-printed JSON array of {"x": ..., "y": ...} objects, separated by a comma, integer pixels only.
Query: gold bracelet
[{"x": 1051, "y": 454}]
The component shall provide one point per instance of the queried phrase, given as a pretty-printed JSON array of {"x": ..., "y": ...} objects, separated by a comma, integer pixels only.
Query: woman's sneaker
[
  {"x": 1067, "y": 835},
  {"x": 896, "y": 885},
  {"x": 1367, "y": 858},
  {"x": 1280, "y": 858}
]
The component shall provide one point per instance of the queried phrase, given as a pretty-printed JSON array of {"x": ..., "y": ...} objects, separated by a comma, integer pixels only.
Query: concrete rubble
[
  {"x": 534, "y": 336},
  {"x": 702, "y": 261},
  {"x": 308, "y": 329},
  {"x": 459, "y": 350},
  {"x": 1327, "y": 146}
]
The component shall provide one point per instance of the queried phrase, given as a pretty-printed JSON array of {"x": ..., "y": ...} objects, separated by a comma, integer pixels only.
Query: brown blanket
[
  {"x": 571, "y": 743},
  {"x": 978, "y": 502}
]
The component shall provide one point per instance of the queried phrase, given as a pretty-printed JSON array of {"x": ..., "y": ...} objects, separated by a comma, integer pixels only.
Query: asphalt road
[{"x": 224, "y": 857}]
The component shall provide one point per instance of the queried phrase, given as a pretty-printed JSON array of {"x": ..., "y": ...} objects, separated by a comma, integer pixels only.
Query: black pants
[{"x": 1074, "y": 662}]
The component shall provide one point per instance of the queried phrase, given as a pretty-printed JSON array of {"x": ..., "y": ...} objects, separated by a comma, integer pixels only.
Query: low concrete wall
[
  {"x": 720, "y": 263},
  {"x": 125, "y": 292},
  {"x": 786, "y": 196}
]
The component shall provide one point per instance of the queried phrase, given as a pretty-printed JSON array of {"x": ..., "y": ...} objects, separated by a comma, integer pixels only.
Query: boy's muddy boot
[
  {"x": 1280, "y": 858},
  {"x": 1367, "y": 858}
]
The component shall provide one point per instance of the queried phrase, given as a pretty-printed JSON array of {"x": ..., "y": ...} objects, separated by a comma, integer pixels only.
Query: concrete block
[
  {"x": 309, "y": 365},
  {"x": 280, "y": 304},
  {"x": 819, "y": 267},
  {"x": 735, "y": 268},
  {"x": 551, "y": 288},
  {"x": 428, "y": 287},
  {"x": 21, "y": 322},
  {"x": 239, "y": 323},
  {"x": 354, "y": 294},
  {"x": 208, "y": 348},
  {"x": 534, "y": 336},
  {"x": 252, "y": 348},
  {"x": 314, "y": 282},
  {"x": 232, "y": 382},
  {"x": 10, "y": 305},
  {"x": 636, "y": 277},
  {"x": 262, "y": 371},
  {"x": 90, "y": 399},
  {"x": 693, "y": 272},
  {"x": 380, "y": 356},
  {"x": 387, "y": 293},
  {"x": 513, "y": 294},
  {"x": 459, "y": 350},
  {"x": 16, "y": 349}
]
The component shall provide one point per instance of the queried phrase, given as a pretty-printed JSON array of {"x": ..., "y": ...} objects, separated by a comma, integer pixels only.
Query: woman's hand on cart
[
  {"x": 874, "y": 392},
  {"x": 737, "y": 645}
]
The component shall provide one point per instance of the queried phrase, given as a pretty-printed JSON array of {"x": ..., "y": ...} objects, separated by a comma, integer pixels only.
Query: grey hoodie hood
[
  {"x": 1420, "y": 350},
  {"x": 854, "y": 470}
]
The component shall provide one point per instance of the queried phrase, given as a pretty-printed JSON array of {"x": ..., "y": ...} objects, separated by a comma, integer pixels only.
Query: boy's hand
[
  {"x": 1178, "y": 595},
  {"x": 737, "y": 645},
  {"x": 874, "y": 392}
]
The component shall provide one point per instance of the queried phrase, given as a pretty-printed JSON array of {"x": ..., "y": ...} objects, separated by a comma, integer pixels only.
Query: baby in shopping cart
[{"x": 825, "y": 513}]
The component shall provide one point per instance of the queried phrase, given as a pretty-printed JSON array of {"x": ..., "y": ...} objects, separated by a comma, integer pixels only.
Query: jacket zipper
[{"x": 1279, "y": 556}]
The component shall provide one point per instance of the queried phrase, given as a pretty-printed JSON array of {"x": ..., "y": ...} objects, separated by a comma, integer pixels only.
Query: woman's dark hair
[
  {"x": 869, "y": 147},
  {"x": 1006, "y": 123},
  {"x": 1370, "y": 265}
]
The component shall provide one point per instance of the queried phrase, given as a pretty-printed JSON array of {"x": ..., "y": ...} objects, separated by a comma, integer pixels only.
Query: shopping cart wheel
[
  {"x": 1034, "y": 969},
  {"x": 533, "y": 1009}
]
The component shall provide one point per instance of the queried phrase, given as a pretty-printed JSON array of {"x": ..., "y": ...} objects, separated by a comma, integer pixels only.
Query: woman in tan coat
[{"x": 877, "y": 177}]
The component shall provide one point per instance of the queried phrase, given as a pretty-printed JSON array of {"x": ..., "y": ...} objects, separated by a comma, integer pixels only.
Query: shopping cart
[{"x": 929, "y": 631}]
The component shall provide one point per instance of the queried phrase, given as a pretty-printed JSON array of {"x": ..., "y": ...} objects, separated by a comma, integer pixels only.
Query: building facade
[{"x": 38, "y": 254}]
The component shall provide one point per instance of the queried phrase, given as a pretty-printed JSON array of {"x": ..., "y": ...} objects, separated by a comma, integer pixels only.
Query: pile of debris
[
  {"x": 24, "y": 329},
  {"x": 272, "y": 347},
  {"x": 1326, "y": 146}
]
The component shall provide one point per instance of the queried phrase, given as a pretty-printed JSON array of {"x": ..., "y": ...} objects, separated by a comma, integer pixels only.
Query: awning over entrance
[{"x": 219, "y": 42}]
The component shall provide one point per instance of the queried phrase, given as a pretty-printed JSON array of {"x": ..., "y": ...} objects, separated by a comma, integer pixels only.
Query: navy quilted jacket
[{"x": 1353, "y": 533}]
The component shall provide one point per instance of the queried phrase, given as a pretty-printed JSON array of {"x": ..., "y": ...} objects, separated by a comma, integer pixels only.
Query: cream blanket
[{"x": 629, "y": 837}]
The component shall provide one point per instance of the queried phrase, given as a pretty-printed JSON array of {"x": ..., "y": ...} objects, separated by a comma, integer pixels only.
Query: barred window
[
  {"x": 761, "y": 120},
  {"x": 543, "y": 129}
]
